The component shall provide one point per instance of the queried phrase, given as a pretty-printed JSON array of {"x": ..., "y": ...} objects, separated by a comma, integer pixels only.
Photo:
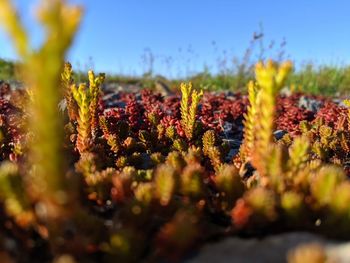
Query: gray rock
[
  {"x": 116, "y": 87},
  {"x": 231, "y": 154},
  {"x": 267, "y": 250},
  {"x": 279, "y": 134},
  {"x": 341, "y": 103},
  {"x": 228, "y": 93},
  {"x": 111, "y": 100},
  {"x": 234, "y": 148},
  {"x": 16, "y": 84},
  {"x": 309, "y": 104},
  {"x": 286, "y": 91},
  {"x": 233, "y": 143},
  {"x": 162, "y": 88},
  {"x": 228, "y": 130}
]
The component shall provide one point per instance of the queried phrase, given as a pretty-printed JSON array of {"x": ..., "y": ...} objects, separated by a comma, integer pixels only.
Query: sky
[{"x": 184, "y": 36}]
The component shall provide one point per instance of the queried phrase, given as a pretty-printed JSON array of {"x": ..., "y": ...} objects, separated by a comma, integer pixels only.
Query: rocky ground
[{"x": 270, "y": 249}]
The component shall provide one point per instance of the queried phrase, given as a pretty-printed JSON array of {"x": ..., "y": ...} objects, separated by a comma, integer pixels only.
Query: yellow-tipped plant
[
  {"x": 347, "y": 103},
  {"x": 211, "y": 150},
  {"x": 112, "y": 139},
  {"x": 298, "y": 153},
  {"x": 87, "y": 99},
  {"x": 229, "y": 184},
  {"x": 270, "y": 79},
  {"x": 249, "y": 122},
  {"x": 189, "y": 105},
  {"x": 82, "y": 96},
  {"x": 165, "y": 183},
  {"x": 95, "y": 84},
  {"x": 67, "y": 82}
]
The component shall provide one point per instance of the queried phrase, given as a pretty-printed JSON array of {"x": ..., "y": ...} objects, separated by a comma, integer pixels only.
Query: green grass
[
  {"x": 7, "y": 70},
  {"x": 325, "y": 79}
]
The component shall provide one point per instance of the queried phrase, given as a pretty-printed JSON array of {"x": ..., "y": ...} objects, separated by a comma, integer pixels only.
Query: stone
[
  {"x": 162, "y": 88},
  {"x": 269, "y": 249},
  {"x": 309, "y": 104},
  {"x": 285, "y": 91},
  {"x": 279, "y": 134}
]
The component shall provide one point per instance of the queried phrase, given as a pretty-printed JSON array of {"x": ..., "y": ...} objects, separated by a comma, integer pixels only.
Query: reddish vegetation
[
  {"x": 158, "y": 192},
  {"x": 216, "y": 110}
]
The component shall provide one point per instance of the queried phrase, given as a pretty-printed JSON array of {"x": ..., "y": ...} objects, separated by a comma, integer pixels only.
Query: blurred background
[{"x": 187, "y": 38}]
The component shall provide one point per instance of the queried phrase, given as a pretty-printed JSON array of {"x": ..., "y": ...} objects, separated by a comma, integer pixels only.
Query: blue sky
[{"x": 117, "y": 34}]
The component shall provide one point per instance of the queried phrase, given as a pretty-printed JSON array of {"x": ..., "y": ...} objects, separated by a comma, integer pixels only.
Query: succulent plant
[
  {"x": 87, "y": 98},
  {"x": 189, "y": 110},
  {"x": 211, "y": 149},
  {"x": 153, "y": 175},
  {"x": 249, "y": 121},
  {"x": 165, "y": 183},
  {"x": 229, "y": 184},
  {"x": 67, "y": 82},
  {"x": 270, "y": 79}
]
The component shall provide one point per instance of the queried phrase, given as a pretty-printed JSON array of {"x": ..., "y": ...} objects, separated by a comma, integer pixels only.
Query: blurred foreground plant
[
  {"x": 270, "y": 79},
  {"x": 49, "y": 189}
]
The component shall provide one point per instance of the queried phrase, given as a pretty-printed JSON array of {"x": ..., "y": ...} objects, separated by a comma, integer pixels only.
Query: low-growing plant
[
  {"x": 60, "y": 22},
  {"x": 150, "y": 177},
  {"x": 189, "y": 105},
  {"x": 87, "y": 98}
]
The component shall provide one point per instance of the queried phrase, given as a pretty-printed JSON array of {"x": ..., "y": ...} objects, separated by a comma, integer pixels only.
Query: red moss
[
  {"x": 289, "y": 114},
  {"x": 218, "y": 109},
  {"x": 331, "y": 113}
]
